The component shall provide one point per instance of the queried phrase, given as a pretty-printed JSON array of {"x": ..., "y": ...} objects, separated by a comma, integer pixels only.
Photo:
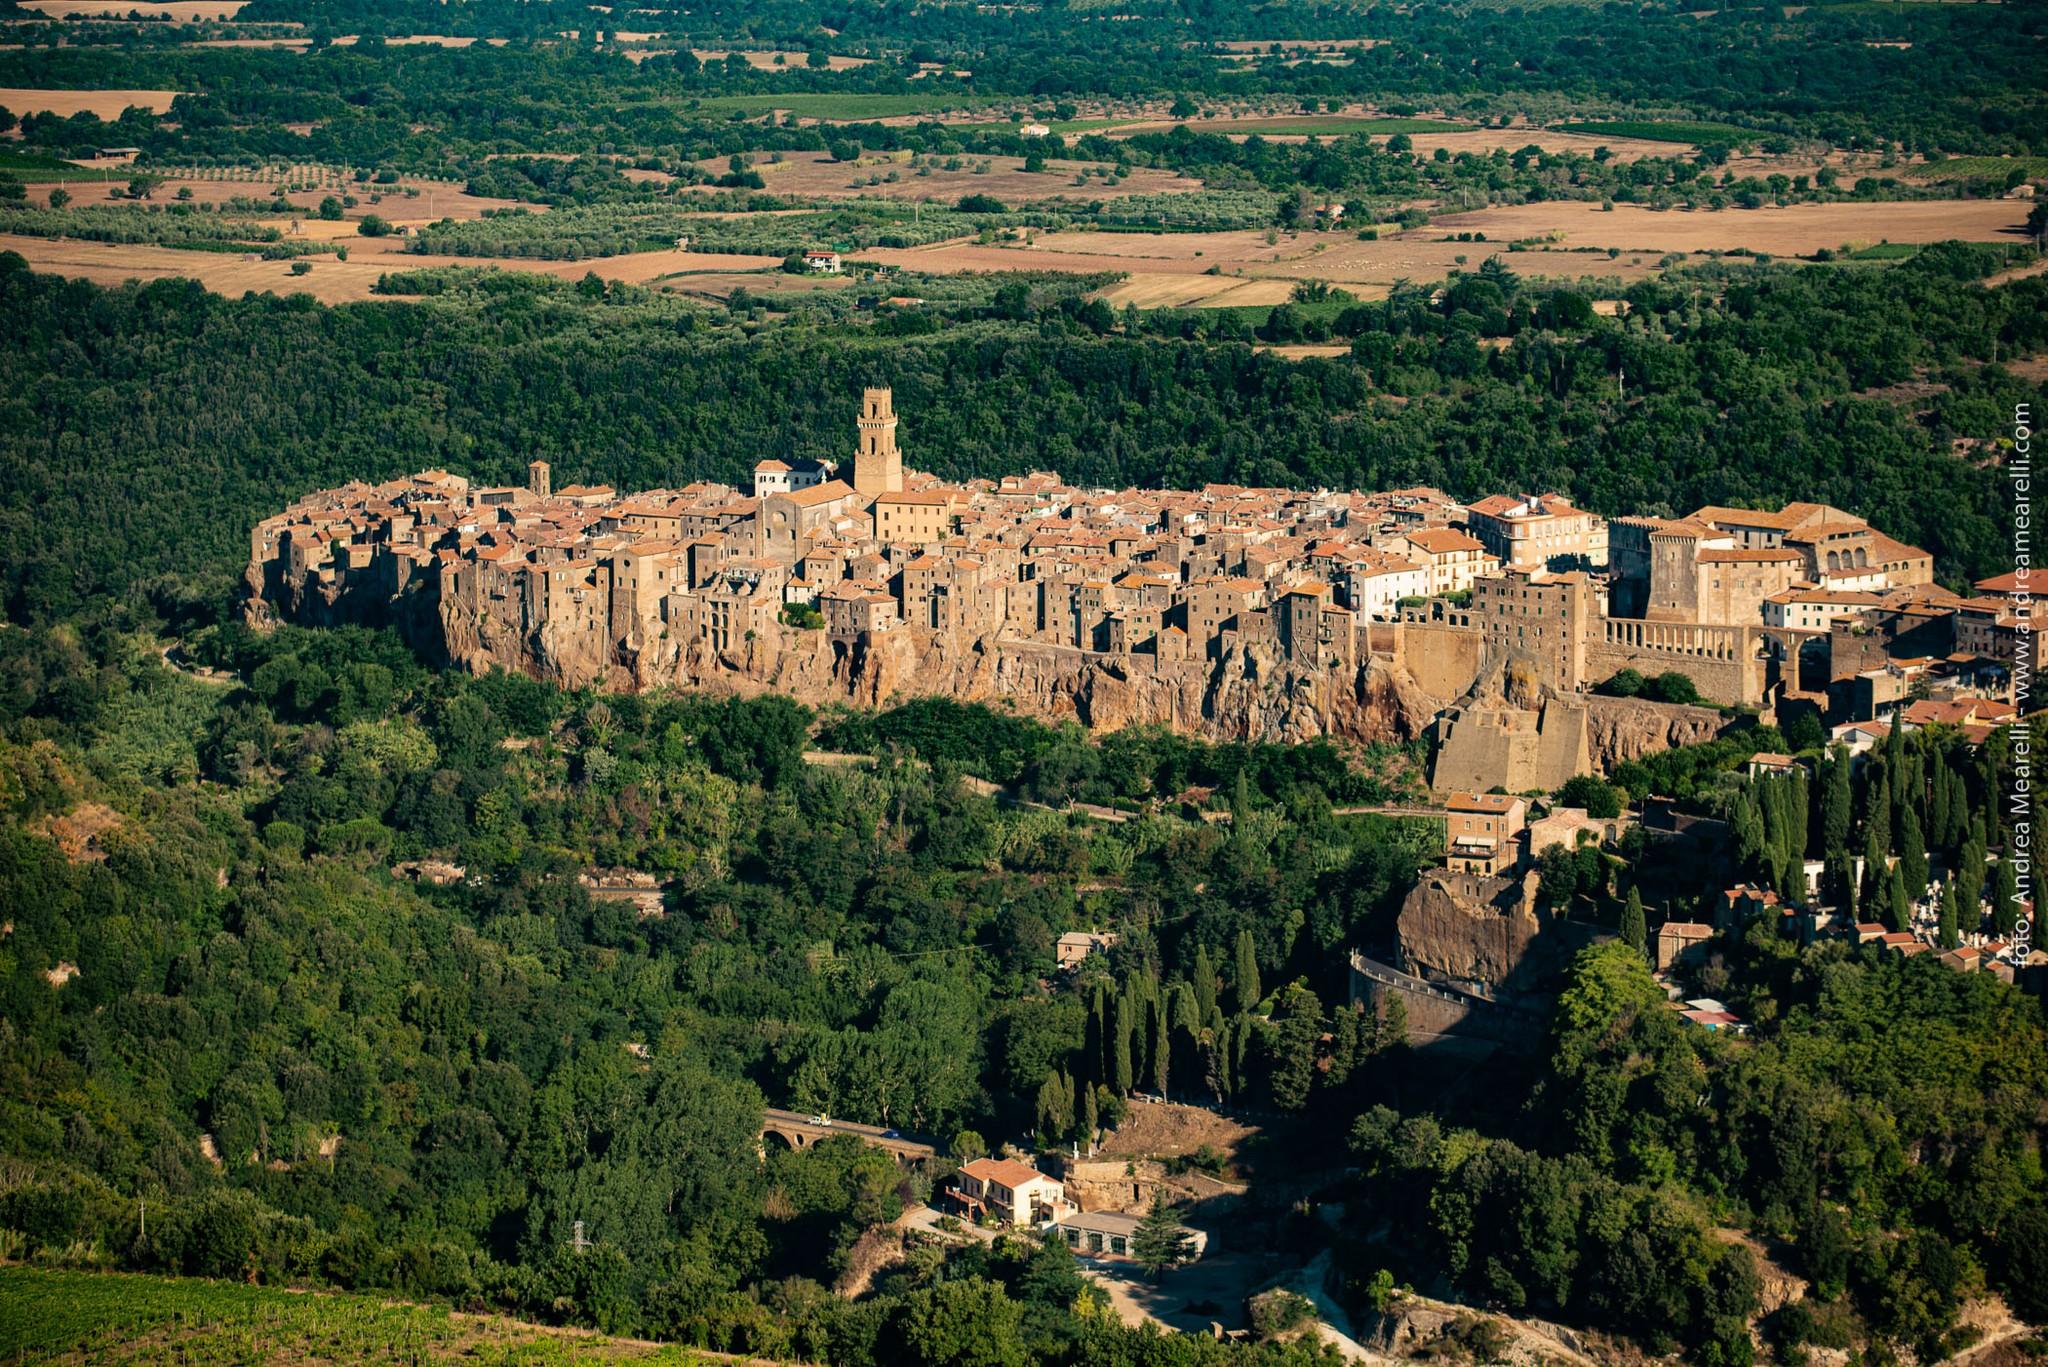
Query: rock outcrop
[
  {"x": 1251, "y": 693},
  {"x": 1465, "y": 927},
  {"x": 1621, "y": 729}
]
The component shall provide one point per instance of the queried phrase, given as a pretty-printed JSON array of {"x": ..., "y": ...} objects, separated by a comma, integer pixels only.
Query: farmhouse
[
  {"x": 1014, "y": 1193},
  {"x": 822, "y": 263}
]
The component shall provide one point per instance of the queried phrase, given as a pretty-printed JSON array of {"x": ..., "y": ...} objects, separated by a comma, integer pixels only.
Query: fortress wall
[{"x": 1721, "y": 661}]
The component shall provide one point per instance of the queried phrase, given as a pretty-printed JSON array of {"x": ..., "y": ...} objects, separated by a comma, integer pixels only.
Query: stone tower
[
  {"x": 540, "y": 479},
  {"x": 878, "y": 465}
]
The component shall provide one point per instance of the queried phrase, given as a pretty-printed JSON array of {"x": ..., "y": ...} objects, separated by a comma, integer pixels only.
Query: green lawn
[
  {"x": 46, "y": 1316},
  {"x": 1654, "y": 130},
  {"x": 1311, "y": 125}
]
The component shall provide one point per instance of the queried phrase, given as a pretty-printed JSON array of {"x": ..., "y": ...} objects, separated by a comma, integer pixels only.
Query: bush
[
  {"x": 1672, "y": 686},
  {"x": 373, "y": 226},
  {"x": 1600, "y": 798}
]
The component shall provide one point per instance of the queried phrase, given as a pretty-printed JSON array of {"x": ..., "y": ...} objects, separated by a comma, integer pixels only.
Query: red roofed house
[{"x": 1015, "y": 1193}]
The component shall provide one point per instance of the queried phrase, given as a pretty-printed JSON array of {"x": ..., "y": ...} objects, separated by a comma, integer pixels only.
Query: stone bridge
[{"x": 800, "y": 1131}]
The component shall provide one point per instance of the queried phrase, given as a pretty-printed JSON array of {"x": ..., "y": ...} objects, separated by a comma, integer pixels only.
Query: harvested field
[
  {"x": 1155, "y": 1129},
  {"x": 769, "y": 60},
  {"x": 436, "y": 200},
  {"x": 1303, "y": 351},
  {"x": 182, "y": 11},
  {"x": 338, "y": 282},
  {"x": 1170, "y": 270},
  {"x": 816, "y": 175},
  {"x": 1485, "y": 140},
  {"x": 107, "y": 104},
  {"x": 1796, "y": 229}
]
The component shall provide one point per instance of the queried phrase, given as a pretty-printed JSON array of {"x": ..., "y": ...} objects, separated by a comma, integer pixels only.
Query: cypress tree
[
  {"x": 1798, "y": 805},
  {"x": 1899, "y": 904},
  {"x": 2005, "y": 899},
  {"x": 1912, "y": 852},
  {"x": 1634, "y": 931},
  {"x": 1162, "y": 1051},
  {"x": 1120, "y": 1044},
  {"x": 1970, "y": 875},
  {"x": 1877, "y": 818},
  {"x": 1949, "y": 938},
  {"x": 1246, "y": 983},
  {"x": 1205, "y": 983},
  {"x": 1873, "y": 893},
  {"x": 1095, "y": 1049},
  {"x": 1939, "y": 808},
  {"x": 1836, "y": 804},
  {"x": 1091, "y": 1117}
]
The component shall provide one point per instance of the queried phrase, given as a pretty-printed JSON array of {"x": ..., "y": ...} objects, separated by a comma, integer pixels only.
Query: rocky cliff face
[
  {"x": 1251, "y": 694},
  {"x": 1464, "y": 927},
  {"x": 1621, "y": 729}
]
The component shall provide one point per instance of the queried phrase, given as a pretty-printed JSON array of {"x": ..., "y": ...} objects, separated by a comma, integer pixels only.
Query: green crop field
[
  {"x": 17, "y": 166},
  {"x": 1979, "y": 168},
  {"x": 48, "y": 1316},
  {"x": 1316, "y": 125},
  {"x": 1657, "y": 130}
]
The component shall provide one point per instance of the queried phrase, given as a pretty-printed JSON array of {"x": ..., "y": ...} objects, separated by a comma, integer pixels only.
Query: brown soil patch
[
  {"x": 767, "y": 60},
  {"x": 2032, "y": 268},
  {"x": 107, "y": 104},
  {"x": 183, "y": 11},
  {"x": 816, "y": 175},
  {"x": 1155, "y": 1129},
  {"x": 1169, "y": 270},
  {"x": 1483, "y": 141},
  {"x": 337, "y": 282},
  {"x": 1796, "y": 229},
  {"x": 436, "y": 200},
  {"x": 80, "y": 833},
  {"x": 1303, "y": 351}
]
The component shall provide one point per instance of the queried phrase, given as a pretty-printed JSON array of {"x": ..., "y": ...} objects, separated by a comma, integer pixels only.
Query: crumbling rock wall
[
  {"x": 1251, "y": 693},
  {"x": 1621, "y": 729},
  {"x": 1464, "y": 927}
]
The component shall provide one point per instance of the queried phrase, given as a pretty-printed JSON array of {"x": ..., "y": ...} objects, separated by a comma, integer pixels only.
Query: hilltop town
[{"x": 1536, "y": 639}]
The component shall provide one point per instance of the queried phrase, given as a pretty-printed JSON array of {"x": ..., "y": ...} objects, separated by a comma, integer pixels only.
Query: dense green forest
[
  {"x": 1962, "y": 79},
  {"x": 304, "y": 979},
  {"x": 166, "y": 421},
  {"x": 203, "y": 864}
]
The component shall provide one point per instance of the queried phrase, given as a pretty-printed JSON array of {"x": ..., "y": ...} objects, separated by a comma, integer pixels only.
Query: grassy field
[
  {"x": 43, "y": 170},
  {"x": 1654, "y": 130},
  {"x": 1314, "y": 125},
  {"x": 48, "y": 1316}
]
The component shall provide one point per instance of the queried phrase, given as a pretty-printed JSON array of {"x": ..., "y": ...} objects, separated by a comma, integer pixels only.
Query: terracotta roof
[{"x": 1005, "y": 1172}]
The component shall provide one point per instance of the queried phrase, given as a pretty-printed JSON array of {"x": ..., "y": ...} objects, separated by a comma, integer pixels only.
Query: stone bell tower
[
  {"x": 877, "y": 465},
  {"x": 540, "y": 479}
]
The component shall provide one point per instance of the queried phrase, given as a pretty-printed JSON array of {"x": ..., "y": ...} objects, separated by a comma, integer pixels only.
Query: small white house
[{"x": 822, "y": 263}]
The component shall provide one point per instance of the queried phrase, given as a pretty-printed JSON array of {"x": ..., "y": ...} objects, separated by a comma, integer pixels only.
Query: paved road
[{"x": 909, "y": 1146}]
